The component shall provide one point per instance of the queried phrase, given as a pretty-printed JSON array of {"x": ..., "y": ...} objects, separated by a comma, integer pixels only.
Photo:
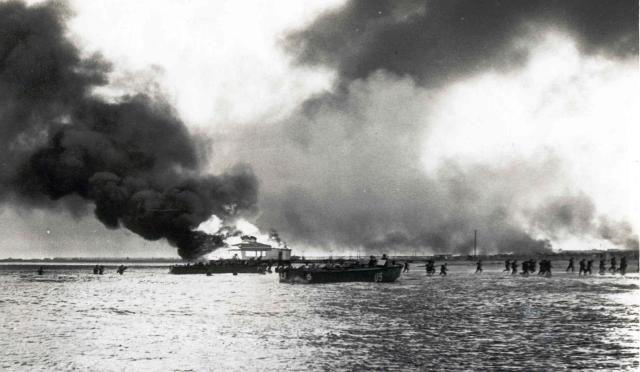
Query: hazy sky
[{"x": 390, "y": 127}]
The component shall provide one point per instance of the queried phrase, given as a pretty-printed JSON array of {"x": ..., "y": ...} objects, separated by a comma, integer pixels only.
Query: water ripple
[{"x": 149, "y": 320}]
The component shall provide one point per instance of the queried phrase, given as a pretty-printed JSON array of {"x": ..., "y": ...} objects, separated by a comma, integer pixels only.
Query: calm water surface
[{"x": 147, "y": 319}]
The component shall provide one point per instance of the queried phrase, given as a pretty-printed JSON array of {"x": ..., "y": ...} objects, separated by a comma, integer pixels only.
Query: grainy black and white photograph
[{"x": 319, "y": 185}]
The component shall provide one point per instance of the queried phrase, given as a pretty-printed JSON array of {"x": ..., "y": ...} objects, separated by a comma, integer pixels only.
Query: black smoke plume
[{"x": 131, "y": 157}]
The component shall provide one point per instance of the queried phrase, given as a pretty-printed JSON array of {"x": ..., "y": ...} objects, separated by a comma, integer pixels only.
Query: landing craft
[{"x": 348, "y": 272}]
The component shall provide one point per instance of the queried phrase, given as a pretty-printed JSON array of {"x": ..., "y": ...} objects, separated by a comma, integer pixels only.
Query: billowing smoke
[
  {"x": 342, "y": 171},
  {"x": 345, "y": 170},
  {"x": 274, "y": 236},
  {"x": 576, "y": 215},
  {"x": 433, "y": 41},
  {"x": 130, "y": 157}
]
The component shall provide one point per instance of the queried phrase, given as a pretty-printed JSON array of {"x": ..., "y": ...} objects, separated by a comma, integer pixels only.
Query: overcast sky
[{"x": 382, "y": 127}]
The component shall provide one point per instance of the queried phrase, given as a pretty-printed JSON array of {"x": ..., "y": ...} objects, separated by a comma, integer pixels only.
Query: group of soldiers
[
  {"x": 586, "y": 266},
  {"x": 99, "y": 269},
  {"x": 430, "y": 268},
  {"x": 528, "y": 267},
  {"x": 544, "y": 267}
]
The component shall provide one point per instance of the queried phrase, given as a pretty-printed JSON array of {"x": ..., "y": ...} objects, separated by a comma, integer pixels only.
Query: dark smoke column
[{"x": 133, "y": 159}]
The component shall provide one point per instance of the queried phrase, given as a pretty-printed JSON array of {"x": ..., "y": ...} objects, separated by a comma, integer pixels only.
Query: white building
[{"x": 249, "y": 248}]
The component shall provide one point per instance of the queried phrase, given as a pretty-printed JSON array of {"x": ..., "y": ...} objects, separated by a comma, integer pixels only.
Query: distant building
[
  {"x": 441, "y": 256},
  {"x": 250, "y": 247}
]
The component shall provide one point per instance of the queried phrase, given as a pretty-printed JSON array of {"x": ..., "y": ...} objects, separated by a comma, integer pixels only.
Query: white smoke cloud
[
  {"x": 390, "y": 162},
  {"x": 583, "y": 109}
]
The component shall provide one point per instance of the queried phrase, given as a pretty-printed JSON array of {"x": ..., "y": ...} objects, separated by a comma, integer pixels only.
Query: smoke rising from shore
[
  {"x": 345, "y": 169},
  {"x": 131, "y": 157},
  {"x": 576, "y": 215}
]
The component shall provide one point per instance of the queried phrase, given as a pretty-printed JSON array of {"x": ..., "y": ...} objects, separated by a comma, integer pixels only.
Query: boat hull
[{"x": 362, "y": 274}]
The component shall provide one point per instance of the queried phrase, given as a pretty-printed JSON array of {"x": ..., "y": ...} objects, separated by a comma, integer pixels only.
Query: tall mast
[{"x": 475, "y": 241}]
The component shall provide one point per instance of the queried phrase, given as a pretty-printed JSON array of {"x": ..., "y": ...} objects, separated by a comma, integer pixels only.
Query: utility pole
[{"x": 475, "y": 241}]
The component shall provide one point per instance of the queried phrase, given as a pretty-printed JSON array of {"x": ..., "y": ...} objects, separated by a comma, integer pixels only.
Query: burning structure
[
  {"x": 250, "y": 245},
  {"x": 129, "y": 157}
]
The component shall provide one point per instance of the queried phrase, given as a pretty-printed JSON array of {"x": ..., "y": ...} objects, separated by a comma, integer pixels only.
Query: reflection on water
[{"x": 150, "y": 320}]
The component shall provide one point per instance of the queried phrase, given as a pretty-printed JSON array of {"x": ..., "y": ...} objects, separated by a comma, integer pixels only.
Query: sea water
[{"x": 147, "y": 319}]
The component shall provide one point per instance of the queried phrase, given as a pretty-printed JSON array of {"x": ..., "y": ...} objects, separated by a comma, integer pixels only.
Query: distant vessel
[
  {"x": 354, "y": 273},
  {"x": 222, "y": 267}
]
